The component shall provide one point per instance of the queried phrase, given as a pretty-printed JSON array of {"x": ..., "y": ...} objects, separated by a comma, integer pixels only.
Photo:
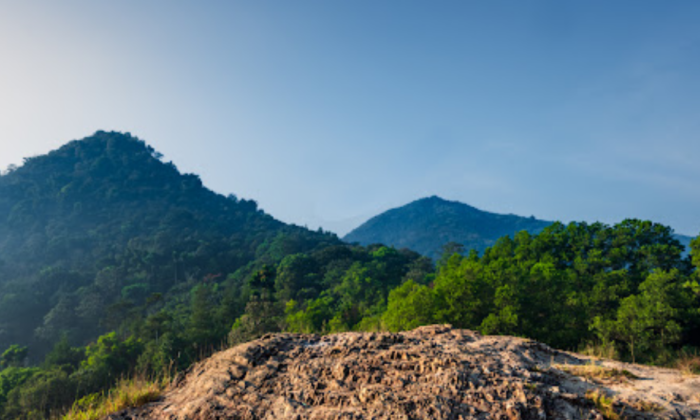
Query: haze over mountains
[
  {"x": 102, "y": 222},
  {"x": 427, "y": 224}
]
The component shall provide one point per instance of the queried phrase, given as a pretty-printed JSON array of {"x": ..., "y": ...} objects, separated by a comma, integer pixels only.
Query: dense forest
[{"x": 112, "y": 262}]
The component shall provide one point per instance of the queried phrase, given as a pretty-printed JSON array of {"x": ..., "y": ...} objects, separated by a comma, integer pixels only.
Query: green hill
[
  {"x": 102, "y": 225},
  {"x": 426, "y": 225}
]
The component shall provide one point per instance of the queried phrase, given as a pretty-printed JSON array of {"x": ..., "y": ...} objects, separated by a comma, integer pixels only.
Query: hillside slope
[
  {"x": 433, "y": 372},
  {"x": 427, "y": 224},
  {"x": 102, "y": 226}
]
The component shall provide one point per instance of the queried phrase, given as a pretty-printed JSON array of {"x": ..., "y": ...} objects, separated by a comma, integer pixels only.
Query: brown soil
[{"x": 433, "y": 372}]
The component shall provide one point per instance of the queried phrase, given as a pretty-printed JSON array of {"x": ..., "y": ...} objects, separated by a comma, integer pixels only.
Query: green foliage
[
  {"x": 108, "y": 359},
  {"x": 14, "y": 356},
  {"x": 296, "y": 278},
  {"x": 261, "y": 316},
  {"x": 357, "y": 287},
  {"x": 202, "y": 328},
  {"x": 11, "y": 379},
  {"x": 504, "y": 319},
  {"x": 410, "y": 305},
  {"x": 648, "y": 321},
  {"x": 626, "y": 284},
  {"x": 41, "y": 394},
  {"x": 65, "y": 356},
  {"x": 695, "y": 251},
  {"x": 461, "y": 293}
]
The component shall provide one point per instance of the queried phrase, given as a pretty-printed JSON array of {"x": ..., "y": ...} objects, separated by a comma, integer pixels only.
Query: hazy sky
[{"x": 328, "y": 112}]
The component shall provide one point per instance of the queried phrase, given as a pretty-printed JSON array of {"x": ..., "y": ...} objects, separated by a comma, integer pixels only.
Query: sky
[{"x": 329, "y": 112}]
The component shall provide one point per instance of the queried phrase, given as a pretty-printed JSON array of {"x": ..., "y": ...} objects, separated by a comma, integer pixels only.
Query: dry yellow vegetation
[{"x": 129, "y": 393}]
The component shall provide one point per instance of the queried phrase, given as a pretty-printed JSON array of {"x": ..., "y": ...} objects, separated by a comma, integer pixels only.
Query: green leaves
[
  {"x": 410, "y": 305},
  {"x": 695, "y": 254},
  {"x": 570, "y": 284},
  {"x": 110, "y": 358},
  {"x": 14, "y": 356},
  {"x": 651, "y": 320},
  {"x": 12, "y": 378}
]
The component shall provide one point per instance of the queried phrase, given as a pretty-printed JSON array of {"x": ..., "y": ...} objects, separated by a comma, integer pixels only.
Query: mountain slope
[
  {"x": 102, "y": 224},
  {"x": 427, "y": 224},
  {"x": 684, "y": 240}
]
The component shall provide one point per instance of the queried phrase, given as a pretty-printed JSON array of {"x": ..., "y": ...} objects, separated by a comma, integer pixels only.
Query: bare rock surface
[{"x": 433, "y": 372}]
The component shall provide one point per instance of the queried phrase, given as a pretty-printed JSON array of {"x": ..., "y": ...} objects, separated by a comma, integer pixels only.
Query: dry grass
[
  {"x": 688, "y": 364},
  {"x": 127, "y": 393},
  {"x": 601, "y": 351},
  {"x": 604, "y": 404},
  {"x": 612, "y": 409},
  {"x": 646, "y": 406},
  {"x": 599, "y": 374}
]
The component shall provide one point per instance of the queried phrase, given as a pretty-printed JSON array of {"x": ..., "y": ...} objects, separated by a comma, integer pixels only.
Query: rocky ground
[{"x": 433, "y": 372}]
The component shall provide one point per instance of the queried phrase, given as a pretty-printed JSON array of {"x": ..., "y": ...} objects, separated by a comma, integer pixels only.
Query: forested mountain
[
  {"x": 426, "y": 225},
  {"x": 112, "y": 261},
  {"x": 102, "y": 225}
]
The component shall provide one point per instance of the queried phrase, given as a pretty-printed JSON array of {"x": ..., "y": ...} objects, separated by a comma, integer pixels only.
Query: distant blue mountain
[
  {"x": 426, "y": 225},
  {"x": 685, "y": 240}
]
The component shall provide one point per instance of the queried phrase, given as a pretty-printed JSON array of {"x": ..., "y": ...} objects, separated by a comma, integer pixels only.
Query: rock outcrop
[{"x": 433, "y": 372}]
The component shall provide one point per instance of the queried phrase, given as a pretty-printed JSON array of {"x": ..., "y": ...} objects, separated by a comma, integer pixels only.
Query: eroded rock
[{"x": 433, "y": 372}]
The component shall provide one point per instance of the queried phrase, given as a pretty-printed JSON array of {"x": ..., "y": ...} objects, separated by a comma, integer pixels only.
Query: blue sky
[{"x": 328, "y": 112}]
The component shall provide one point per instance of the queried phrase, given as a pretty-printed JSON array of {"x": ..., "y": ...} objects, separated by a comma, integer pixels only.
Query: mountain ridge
[{"x": 427, "y": 224}]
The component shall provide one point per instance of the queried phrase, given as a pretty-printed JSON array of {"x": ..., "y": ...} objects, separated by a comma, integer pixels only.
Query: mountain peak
[
  {"x": 103, "y": 142},
  {"x": 435, "y": 200},
  {"x": 112, "y": 178},
  {"x": 103, "y": 154}
]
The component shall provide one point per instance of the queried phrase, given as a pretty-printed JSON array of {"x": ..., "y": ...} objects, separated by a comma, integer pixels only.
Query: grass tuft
[
  {"x": 688, "y": 363},
  {"x": 646, "y": 406},
  {"x": 603, "y": 403},
  {"x": 601, "y": 351},
  {"x": 607, "y": 404},
  {"x": 600, "y": 374},
  {"x": 128, "y": 393}
]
